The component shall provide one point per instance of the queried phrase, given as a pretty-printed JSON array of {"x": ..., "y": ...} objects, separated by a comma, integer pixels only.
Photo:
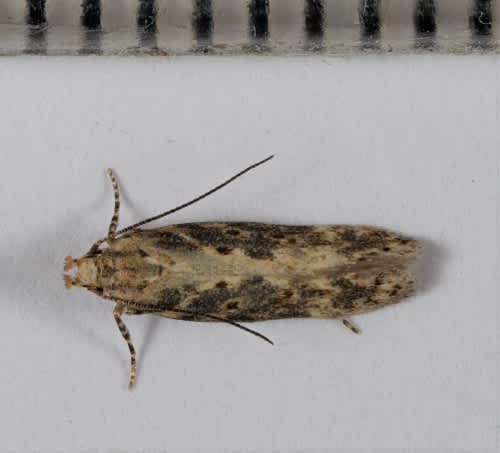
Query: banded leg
[
  {"x": 117, "y": 312},
  {"x": 116, "y": 212},
  {"x": 114, "y": 220},
  {"x": 351, "y": 326}
]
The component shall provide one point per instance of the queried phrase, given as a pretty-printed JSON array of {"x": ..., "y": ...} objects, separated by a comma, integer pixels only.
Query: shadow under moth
[{"x": 238, "y": 272}]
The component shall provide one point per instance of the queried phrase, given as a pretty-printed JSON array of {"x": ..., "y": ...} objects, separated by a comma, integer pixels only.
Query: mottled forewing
[{"x": 252, "y": 271}]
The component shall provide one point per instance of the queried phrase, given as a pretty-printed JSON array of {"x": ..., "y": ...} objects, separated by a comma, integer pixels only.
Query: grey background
[{"x": 406, "y": 143}]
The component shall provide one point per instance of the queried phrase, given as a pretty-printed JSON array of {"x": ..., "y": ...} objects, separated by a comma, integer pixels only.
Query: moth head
[{"x": 86, "y": 271}]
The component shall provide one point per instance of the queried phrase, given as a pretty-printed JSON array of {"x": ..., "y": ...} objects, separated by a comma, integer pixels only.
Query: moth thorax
[{"x": 86, "y": 274}]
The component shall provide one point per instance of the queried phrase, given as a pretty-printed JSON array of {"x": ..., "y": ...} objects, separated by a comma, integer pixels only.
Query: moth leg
[
  {"x": 114, "y": 220},
  {"x": 96, "y": 246},
  {"x": 116, "y": 212},
  {"x": 351, "y": 326},
  {"x": 117, "y": 312}
]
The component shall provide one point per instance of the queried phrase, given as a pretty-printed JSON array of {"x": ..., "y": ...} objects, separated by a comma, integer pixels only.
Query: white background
[{"x": 408, "y": 143}]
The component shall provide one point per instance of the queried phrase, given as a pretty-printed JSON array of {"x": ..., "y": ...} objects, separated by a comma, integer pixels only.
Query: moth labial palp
[{"x": 236, "y": 272}]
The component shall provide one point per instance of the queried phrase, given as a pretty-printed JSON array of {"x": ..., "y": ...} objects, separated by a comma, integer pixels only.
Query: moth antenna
[
  {"x": 189, "y": 203},
  {"x": 228, "y": 321}
]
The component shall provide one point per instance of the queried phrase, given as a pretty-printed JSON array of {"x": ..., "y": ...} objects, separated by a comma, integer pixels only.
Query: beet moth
[{"x": 238, "y": 272}]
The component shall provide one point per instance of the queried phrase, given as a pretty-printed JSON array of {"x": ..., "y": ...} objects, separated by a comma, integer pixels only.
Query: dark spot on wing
[
  {"x": 351, "y": 293},
  {"x": 256, "y": 245},
  {"x": 308, "y": 293},
  {"x": 224, "y": 250},
  {"x": 258, "y": 293},
  {"x": 355, "y": 240},
  {"x": 260, "y": 247},
  {"x": 316, "y": 238},
  {"x": 189, "y": 288},
  {"x": 170, "y": 298},
  {"x": 170, "y": 240},
  {"x": 210, "y": 300},
  {"x": 253, "y": 299}
]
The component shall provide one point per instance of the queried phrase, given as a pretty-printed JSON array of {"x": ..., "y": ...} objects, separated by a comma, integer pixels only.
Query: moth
[{"x": 236, "y": 272}]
